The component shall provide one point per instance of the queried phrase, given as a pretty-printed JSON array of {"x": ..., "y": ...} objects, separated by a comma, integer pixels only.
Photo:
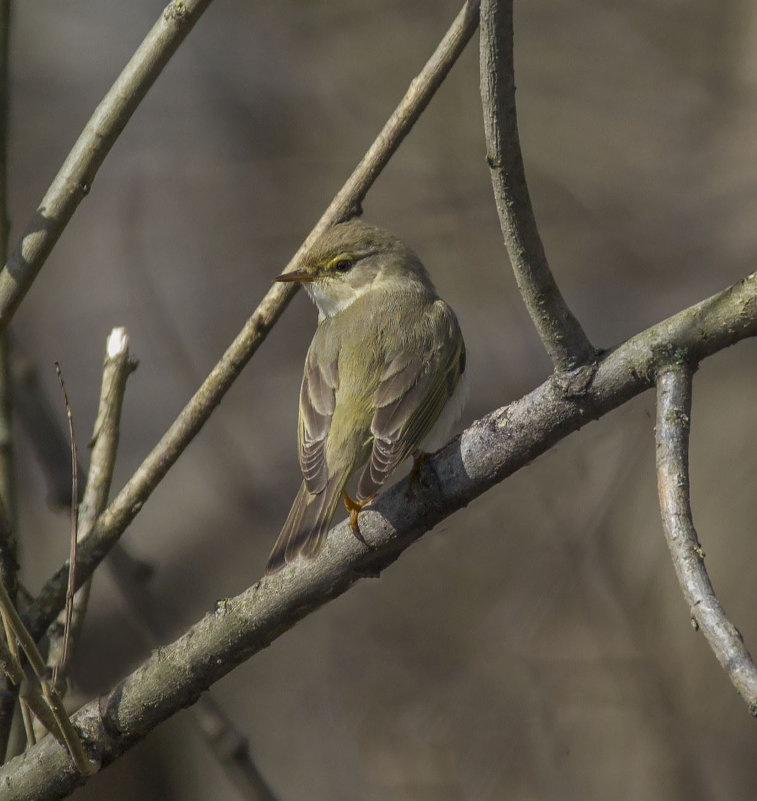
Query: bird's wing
[
  {"x": 308, "y": 521},
  {"x": 306, "y": 526},
  {"x": 415, "y": 385},
  {"x": 317, "y": 401}
]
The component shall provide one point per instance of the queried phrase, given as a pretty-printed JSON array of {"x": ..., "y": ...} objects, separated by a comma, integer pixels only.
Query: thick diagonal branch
[
  {"x": 125, "y": 506},
  {"x": 707, "y": 614},
  {"x": 152, "y": 618},
  {"x": 485, "y": 454},
  {"x": 562, "y": 335},
  {"x": 74, "y": 180}
]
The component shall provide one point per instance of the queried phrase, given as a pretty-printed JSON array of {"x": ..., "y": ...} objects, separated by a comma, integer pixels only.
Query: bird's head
[{"x": 352, "y": 258}]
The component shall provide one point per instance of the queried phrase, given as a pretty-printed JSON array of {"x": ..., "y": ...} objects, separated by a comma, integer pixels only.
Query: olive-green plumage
[{"x": 386, "y": 357}]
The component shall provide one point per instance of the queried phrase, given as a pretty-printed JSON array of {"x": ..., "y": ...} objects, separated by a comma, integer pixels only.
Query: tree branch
[
  {"x": 35, "y": 413},
  {"x": 562, "y": 335},
  {"x": 74, "y": 180},
  {"x": 231, "y": 748},
  {"x": 73, "y": 743},
  {"x": 125, "y": 506},
  {"x": 226, "y": 741},
  {"x": 149, "y": 616},
  {"x": 11, "y": 667},
  {"x": 7, "y": 482},
  {"x": 672, "y": 437},
  {"x": 8, "y": 545},
  {"x": 486, "y": 453},
  {"x": 104, "y": 443},
  {"x": 61, "y": 665}
]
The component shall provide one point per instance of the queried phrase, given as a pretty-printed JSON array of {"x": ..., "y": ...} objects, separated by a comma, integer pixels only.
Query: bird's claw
[{"x": 354, "y": 508}]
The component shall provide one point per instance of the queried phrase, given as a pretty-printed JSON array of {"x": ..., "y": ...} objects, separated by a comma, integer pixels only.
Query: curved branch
[
  {"x": 125, "y": 506},
  {"x": 672, "y": 436},
  {"x": 486, "y": 453},
  {"x": 561, "y": 333},
  {"x": 74, "y": 180}
]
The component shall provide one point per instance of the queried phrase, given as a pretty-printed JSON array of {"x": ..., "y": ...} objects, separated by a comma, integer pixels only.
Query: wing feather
[
  {"x": 414, "y": 387},
  {"x": 317, "y": 403},
  {"x": 306, "y": 526}
]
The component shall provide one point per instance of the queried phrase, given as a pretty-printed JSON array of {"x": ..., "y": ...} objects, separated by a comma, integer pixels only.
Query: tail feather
[{"x": 306, "y": 526}]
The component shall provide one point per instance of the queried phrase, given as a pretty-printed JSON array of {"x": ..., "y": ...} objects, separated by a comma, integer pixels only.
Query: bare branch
[
  {"x": 347, "y": 201},
  {"x": 5, "y": 25},
  {"x": 672, "y": 436},
  {"x": 560, "y": 331},
  {"x": 62, "y": 664},
  {"x": 486, "y": 453},
  {"x": 226, "y": 741},
  {"x": 35, "y": 413},
  {"x": 73, "y": 743},
  {"x": 74, "y": 180},
  {"x": 8, "y": 546},
  {"x": 6, "y": 442},
  {"x": 117, "y": 367},
  {"x": 140, "y": 486},
  {"x": 32, "y": 695},
  {"x": 230, "y": 747}
]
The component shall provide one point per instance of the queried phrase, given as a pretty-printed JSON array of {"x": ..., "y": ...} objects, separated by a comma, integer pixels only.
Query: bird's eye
[{"x": 342, "y": 265}]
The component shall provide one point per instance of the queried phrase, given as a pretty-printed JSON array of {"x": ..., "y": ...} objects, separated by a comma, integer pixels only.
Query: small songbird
[{"x": 385, "y": 359}]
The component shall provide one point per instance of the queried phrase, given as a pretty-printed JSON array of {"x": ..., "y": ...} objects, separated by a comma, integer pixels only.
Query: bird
[{"x": 386, "y": 358}]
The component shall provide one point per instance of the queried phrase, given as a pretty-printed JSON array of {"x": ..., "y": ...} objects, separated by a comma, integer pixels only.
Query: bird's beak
[{"x": 296, "y": 275}]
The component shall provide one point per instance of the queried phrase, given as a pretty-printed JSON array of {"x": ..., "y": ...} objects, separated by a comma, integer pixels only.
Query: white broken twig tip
[{"x": 118, "y": 342}]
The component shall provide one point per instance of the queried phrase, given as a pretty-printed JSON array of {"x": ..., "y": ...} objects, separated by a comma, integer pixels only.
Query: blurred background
[{"x": 535, "y": 645}]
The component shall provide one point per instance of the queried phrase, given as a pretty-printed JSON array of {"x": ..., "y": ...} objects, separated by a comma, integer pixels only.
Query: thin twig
[
  {"x": 71, "y": 738},
  {"x": 117, "y": 367},
  {"x": 5, "y": 26},
  {"x": 226, "y": 741},
  {"x": 49, "y": 710},
  {"x": 69, "y": 734},
  {"x": 707, "y": 614},
  {"x": 9, "y": 687},
  {"x": 10, "y": 664},
  {"x": 6, "y": 441},
  {"x": 16, "y": 625},
  {"x": 74, "y": 180},
  {"x": 140, "y": 486},
  {"x": 231, "y": 749},
  {"x": 486, "y": 453},
  {"x": 70, "y": 584},
  {"x": 8, "y": 546},
  {"x": 39, "y": 420},
  {"x": 560, "y": 332},
  {"x": 27, "y": 716},
  {"x": 13, "y": 686}
]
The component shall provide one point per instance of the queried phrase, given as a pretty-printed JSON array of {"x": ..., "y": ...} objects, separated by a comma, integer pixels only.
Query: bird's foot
[{"x": 354, "y": 508}]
